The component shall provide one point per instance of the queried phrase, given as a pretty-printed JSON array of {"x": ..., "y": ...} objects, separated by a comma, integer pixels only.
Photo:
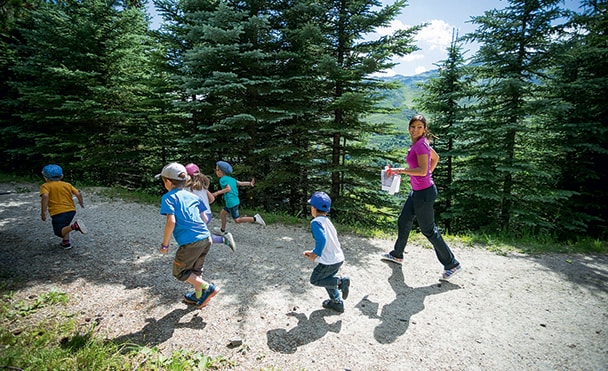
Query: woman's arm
[
  {"x": 434, "y": 159},
  {"x": 421, "y": 170}
]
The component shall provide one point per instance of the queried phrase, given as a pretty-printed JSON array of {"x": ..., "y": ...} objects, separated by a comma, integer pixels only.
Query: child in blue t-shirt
[
  {"x": 229, "y": 188},
  {"x": 327, "y": 253},
  {"x": 183, "y": 211}
]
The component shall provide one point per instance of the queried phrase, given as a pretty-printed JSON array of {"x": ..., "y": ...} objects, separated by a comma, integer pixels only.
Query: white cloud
[
  {"x": 420, "y": 69},
  {"x": 438, "y": 34},
  {"x": 433, "y": 41},
  {"x": 394, "y": 26},
  {"x": 416, "y": 56}
]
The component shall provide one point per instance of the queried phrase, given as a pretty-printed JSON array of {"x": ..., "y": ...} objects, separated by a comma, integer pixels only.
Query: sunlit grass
[{"x": 56, "y": 341}]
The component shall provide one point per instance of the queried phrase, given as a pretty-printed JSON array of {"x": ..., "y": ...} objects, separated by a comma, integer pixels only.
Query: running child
[
  {"x": 229, "y": 188},
  {"x": 56, "y": 199}
]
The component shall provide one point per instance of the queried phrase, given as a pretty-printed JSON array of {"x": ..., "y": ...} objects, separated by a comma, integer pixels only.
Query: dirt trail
[{"x": 509, "y": 312}]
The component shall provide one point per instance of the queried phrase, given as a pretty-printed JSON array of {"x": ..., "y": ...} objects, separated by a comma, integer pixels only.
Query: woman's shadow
[
  {"x": 306, "y": 331},
  {"x": 395, "y": 316}
]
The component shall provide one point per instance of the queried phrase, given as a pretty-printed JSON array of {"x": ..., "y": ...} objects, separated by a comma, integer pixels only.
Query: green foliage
[
  {"x": 444, "y": 99},
  {"x": 286, "y": 93},
  {"x": 80, "y": 72},
  {"x": 502, "y": 183},
  {"x": 51, "y": 342}
]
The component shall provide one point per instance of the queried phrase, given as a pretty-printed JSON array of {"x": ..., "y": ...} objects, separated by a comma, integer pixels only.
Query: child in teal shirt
[{"x": 229, "y": 188}]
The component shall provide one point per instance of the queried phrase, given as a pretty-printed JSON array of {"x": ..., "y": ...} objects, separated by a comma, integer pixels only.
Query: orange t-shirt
[{"x": 60, "y": 196}]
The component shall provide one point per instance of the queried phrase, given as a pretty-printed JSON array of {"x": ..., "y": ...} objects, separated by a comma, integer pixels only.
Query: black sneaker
[
  {"x": 337, "y": 306},
  {"x": 345, "y": 286},
  {"x": 65, "y": 246}
]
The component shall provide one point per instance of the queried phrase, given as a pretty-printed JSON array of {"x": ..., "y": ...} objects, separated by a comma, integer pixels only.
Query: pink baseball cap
[{"x": 192, "y": 169}]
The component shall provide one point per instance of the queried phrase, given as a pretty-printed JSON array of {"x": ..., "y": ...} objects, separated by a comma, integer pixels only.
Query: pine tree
[
  {"x": 578, "y": 123},
  {"x": 443, "y": 100},
  {"x": 346, "y": 63},
  {"x": 81, "y": 84},
  {"x": 504, "y": 184}
]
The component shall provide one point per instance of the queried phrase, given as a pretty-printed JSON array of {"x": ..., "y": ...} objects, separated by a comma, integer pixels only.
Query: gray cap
[{"x": 173, "y": 171}]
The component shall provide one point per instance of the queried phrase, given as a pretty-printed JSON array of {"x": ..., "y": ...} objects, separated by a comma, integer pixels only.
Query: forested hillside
[{"x": 286, "y": 93}]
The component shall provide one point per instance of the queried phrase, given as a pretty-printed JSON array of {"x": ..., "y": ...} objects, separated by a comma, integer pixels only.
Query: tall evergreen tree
[
  {"x": 346, "y": 62},
  {"x": 262, "y": 81},
  {"x": 578, "y": 123},
  {"x": 504, "y": 183},
  {"x": 443, "y": 100},
  {"x": 81, "y": 82}
]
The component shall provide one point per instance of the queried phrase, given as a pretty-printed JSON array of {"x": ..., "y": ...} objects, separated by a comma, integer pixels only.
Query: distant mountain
[
  {"x": 401, "y": 99},
  {"x": 404, "y": 97}
]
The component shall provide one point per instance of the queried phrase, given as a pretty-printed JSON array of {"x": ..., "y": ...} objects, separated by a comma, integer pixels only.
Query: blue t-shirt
[
  {"x": 187, "y": 208},
  {"x": 231, "y": 199}
]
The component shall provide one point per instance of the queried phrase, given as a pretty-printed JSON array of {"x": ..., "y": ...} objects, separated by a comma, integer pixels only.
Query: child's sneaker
[
  {"x": 449, "y": 273},
  {"x": 190, "y": 298},
  {"x": 65, "y": 246},
  {"x": 345, "y": 286},
  {"x": 207, "y": 295},
  {"x": 211, "y": 291},
  {"x": 218, "y": 231},
  {"x": 258, "y": 219},
  {"x": 229, "y": 241},
  {"x": 337, "y": 306},
  {"x": 79, "y": 226},
  {"x": 388, "y": 257}
]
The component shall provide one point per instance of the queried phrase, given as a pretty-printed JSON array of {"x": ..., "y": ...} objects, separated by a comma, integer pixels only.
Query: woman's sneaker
[
  {"x": 65, "y": 246},
  {"x": 389, "y": 258},
  {"x": 449, "y": 273}
]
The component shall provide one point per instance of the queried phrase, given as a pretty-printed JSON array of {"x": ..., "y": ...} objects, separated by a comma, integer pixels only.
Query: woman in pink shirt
[{"x": 421, "y": 160}]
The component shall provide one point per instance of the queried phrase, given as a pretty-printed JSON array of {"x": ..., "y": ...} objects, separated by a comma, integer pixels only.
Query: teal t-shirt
[{"x": 231, "y": 199}]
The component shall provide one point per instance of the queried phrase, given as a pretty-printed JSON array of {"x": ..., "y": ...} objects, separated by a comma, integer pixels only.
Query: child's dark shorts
[
  {"x": 62, "y": 220},
  {"x": 190, "y": 259},
  {"x": 233, "y": 211}
]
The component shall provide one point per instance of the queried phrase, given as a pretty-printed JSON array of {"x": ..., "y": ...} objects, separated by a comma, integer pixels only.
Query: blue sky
[{"x": 442, "y": 16}]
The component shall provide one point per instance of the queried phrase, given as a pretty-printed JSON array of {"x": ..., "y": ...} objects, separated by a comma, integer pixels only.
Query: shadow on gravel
[
  {"x": 156, "y": 332},
  {"x": 306, "y": 331},
  {"x": 588, "y": 271},
  {"x": 395, "y": 316}
]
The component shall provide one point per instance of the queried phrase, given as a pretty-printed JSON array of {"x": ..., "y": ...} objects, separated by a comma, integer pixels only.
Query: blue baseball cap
[
  {"x": 52, "y": 172},
  {"x": 224, "y": 166},
  {"x": 320, "y": 201}
]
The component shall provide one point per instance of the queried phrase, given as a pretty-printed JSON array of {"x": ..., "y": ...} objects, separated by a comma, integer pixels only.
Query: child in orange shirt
[{"x": 56, "y": 198}]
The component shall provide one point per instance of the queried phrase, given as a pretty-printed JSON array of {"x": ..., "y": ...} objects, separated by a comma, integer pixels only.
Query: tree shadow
[
  {"x": 306, "y": 331},
  {"x": 395, "y": 316},
  {"x": 156, "y": 332},
  {"x": 583, "y": 270}
]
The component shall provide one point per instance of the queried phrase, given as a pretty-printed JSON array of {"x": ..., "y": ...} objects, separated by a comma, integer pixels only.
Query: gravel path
[{"x": 512, "y": 312}]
